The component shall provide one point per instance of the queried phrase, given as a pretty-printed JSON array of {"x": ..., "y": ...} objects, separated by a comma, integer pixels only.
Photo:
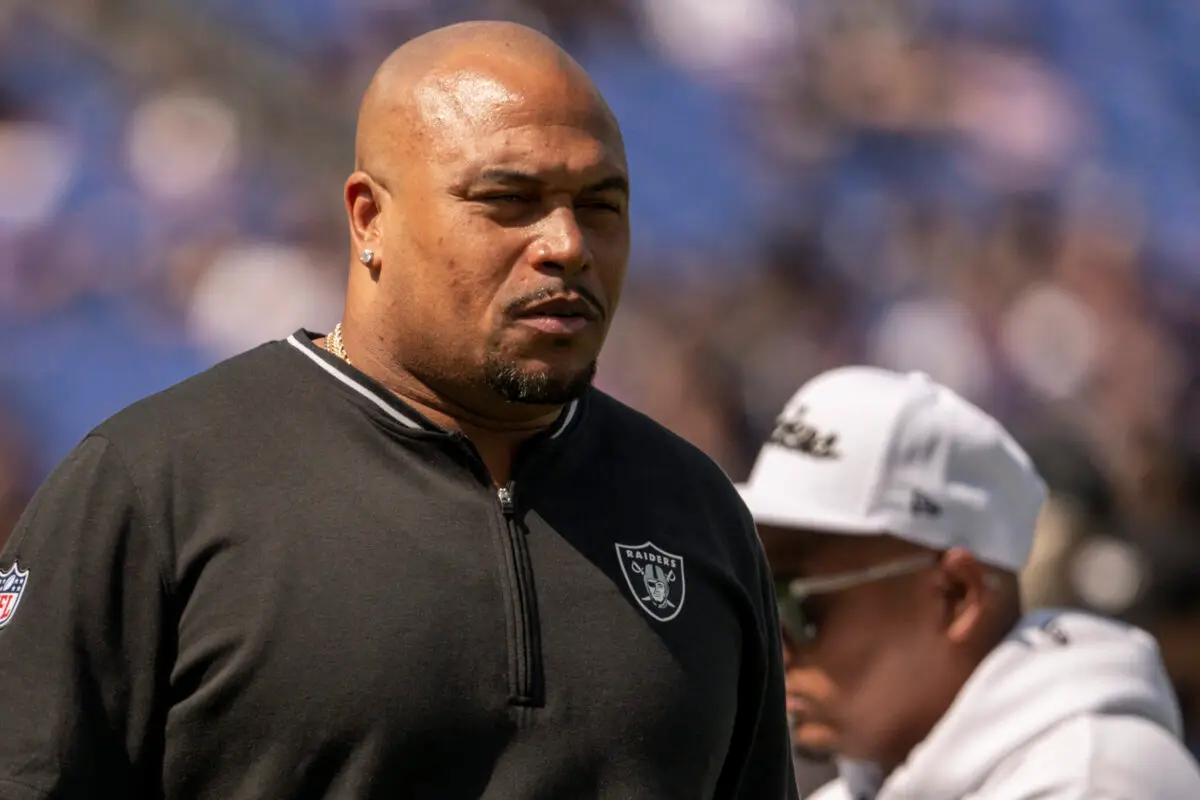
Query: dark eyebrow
[
  {"x": 617, "y": 183},
  {"x": 508, "y": 176}
]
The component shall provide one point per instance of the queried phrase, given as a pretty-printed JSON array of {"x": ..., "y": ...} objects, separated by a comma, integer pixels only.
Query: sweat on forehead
[{"x": 465, "y": 75}]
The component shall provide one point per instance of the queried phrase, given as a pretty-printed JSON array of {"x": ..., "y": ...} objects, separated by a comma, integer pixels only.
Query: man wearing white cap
[{"x": 896, "y": 516}]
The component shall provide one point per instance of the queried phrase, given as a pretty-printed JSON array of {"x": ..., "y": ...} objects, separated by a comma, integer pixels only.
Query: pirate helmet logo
[{"x": 655, "y": 577}]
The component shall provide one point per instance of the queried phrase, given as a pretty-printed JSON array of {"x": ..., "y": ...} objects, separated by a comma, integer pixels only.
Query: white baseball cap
[{"x": 860, "y": 450}]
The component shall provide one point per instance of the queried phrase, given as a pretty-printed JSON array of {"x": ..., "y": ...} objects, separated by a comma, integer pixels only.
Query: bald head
[
  {"x": 490, "y": 177},
  {"x": 457, "y": 77}
]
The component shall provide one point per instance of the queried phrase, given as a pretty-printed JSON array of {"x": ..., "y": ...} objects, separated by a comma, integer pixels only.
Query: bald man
[{"x": 418, "y": 556}]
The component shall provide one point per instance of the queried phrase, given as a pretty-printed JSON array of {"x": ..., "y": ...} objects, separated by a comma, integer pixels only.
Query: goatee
[{"x": 536, "y": 387}]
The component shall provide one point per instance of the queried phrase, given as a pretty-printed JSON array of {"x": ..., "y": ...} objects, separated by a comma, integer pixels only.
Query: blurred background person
[
  {"x": 1000, "y": 193},
  {"x": 897, "y": 518}
]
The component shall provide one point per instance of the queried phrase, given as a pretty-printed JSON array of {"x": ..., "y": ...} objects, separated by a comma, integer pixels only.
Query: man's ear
[
  {"x": 363, "y": 197},
  {"x": 964, "y": 590}
]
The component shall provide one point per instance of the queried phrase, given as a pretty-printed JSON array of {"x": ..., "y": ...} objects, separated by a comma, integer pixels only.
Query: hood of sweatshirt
[{"x": 1053, "y": 666}]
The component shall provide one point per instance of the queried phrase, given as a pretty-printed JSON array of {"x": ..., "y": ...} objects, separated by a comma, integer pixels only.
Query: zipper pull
[{"x": 507, "y": 500}]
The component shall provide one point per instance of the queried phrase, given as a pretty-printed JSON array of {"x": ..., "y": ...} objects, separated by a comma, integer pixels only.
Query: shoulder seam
[
  {"x": 164, "y": 576},
  {"x": 20, "y": 785},
  {"x": 1089, "y": 760},
  {"x": 1083, "y": 781}
]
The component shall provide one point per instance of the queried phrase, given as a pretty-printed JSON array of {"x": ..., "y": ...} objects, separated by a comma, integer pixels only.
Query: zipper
[{"x": 526, "y": 681}]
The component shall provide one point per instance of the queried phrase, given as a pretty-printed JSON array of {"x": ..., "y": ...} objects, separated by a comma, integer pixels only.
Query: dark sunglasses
[{"x": 800, "y": 616}]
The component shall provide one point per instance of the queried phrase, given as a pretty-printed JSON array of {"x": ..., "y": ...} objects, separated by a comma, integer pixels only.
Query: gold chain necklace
[{"x": 333, "y": 343}]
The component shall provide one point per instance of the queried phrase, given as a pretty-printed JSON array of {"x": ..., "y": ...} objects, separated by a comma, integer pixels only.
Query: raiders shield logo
[
  {"x": 655, "y": 577},
  {"x": 12, "y": 586}
]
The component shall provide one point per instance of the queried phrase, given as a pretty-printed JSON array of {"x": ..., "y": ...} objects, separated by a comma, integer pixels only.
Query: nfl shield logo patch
[
  {"x": 12, "y": 586},
  {"x": 655, "y": 577}
]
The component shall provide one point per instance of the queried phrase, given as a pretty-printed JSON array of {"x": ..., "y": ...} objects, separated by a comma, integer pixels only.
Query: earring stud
[{"x": 366, "y": 256}]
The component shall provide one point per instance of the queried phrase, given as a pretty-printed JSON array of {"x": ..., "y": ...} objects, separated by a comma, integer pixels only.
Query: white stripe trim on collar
[
  {"x": 384, "y": 405},
  {"x": 387, "y": 407},
  {"x": 566, "y": 420}
]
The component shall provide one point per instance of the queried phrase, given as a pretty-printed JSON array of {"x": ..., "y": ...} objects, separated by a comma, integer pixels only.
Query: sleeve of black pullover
[
  {"x": 81, "y": 638},
  {"x": 765, "y": 769}
]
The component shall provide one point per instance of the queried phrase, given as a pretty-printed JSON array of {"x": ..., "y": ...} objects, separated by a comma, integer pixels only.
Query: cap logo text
[
  {"x": 924, "y": 505},
  {"x": 794, "y": 433}
]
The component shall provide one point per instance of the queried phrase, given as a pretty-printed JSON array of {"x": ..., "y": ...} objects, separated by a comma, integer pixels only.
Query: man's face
[
  {"x": 855, "y": 690},
  {"x": 520, "y": 201}
]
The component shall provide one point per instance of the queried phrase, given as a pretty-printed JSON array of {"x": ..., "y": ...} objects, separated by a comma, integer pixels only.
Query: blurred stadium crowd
[{"x": 1001, "y": 193}]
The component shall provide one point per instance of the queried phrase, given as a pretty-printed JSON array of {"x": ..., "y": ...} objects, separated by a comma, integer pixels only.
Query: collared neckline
[{"x": 385, "y": 401}]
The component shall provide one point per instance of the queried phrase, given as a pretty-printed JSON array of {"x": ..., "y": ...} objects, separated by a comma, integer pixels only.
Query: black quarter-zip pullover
[{"x": 276, "y": 580}]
